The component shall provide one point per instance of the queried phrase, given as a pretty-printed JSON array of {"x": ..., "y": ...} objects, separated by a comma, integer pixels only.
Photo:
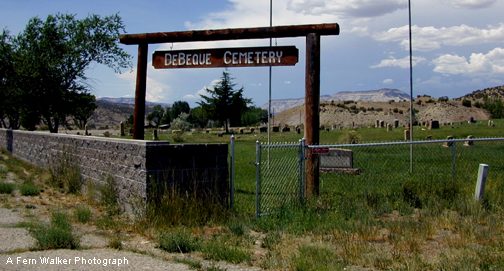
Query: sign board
[{"x": 226, "y": 57}]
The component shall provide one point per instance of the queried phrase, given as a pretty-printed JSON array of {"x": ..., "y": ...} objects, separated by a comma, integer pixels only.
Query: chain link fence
[
  {"x": 381, "y": 176},
  {"x": 279, "y": 176}
]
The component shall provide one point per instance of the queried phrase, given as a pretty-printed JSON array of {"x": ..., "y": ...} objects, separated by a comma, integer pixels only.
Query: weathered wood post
[
  {"x": 141, "y": 83},
  {"x": 312, "y": 103}
]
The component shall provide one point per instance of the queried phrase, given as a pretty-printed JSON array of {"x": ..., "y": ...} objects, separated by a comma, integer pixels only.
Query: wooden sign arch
[{"x": 312, "y": 32}]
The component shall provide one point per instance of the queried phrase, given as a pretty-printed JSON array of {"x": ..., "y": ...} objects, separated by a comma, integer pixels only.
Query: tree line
[
  {"x": 43, "y": 78},
  {"x": 223, "y": 106}
]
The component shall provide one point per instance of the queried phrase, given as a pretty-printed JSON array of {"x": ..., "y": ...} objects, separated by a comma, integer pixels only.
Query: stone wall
[{"x": 134, "y": 164}]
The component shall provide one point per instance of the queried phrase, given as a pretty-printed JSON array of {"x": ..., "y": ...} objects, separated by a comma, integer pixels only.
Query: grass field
[{"x": 384, "y": 218}]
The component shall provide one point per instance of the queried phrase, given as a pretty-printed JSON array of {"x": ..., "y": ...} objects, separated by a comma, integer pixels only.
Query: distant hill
[
  {"x": 493, "y": 92},
  {"x": 111, "y": 111},
  {"x": 128, "y": 100},
  {"x": 380, "y": 95}
]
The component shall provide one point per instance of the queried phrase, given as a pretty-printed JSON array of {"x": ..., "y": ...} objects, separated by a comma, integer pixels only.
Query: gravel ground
[
  {"x": 9, "y": 217},
  {"x": 16, "y": 243},
  {"x": 12, "y": 239},
  {"x": 93, "y": 259}
]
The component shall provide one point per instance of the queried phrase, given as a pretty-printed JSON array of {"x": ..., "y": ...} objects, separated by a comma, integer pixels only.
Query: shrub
[
  {"x": 178, "y": 137},
  {"x": 109, "y": 196},
  {"x": 178, "y": 242},
  {"x": 271, "y": 239},
  {"x": 6, "y": 188},
  {"x": 316, "y": 258},
  {"x": 218, "y": 251},
  {"x": 466, "y": 103},
  {"x": 351, "y": 137},
  {"x": 115, "y": 243},
  {"x": 237, "y": 228},
  {"x": 57, "y": 235},
  {"x": 29, "y": 189},
  {"x": 65, "y": 173},
  {"x": 82, "y": 214},
  {"x": 181, "y": 122}
]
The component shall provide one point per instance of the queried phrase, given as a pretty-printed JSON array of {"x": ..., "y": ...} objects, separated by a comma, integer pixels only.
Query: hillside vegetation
[{"x": 479, "y": 105}]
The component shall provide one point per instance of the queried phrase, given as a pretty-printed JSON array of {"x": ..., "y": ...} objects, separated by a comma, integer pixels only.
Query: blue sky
[{"x": 458, "y": 44}]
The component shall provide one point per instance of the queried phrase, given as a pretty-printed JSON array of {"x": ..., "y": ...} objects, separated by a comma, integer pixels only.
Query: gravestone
[
  {"x": 86, "y": 130},
  {"x": 263, "y": 129},
  {"x": 336, "y": 158},
  {"x": 122, "y": 128},
  {"x": 285, "y": 129},
  {"x": 377, "y": 124},
  {"x": 396, "y": 123},
  {"x": 389, "y": 127},
  {"x": 433, "y": 124},
  {"x": 382, "y": 124},
  {"x": 276, "y": 129},
  {"x": 407, "y": 134},
  {"x": 155, "y": 134},
  {"x": 448, "y": 143},
  {"x": 469, "y": 142}
]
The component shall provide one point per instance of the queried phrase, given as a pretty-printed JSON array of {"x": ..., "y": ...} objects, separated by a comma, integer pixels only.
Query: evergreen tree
[{"x": 224, "y": 103}]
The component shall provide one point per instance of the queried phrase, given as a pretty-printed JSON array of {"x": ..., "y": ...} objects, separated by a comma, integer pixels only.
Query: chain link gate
[{"x": 279, "y": 177}]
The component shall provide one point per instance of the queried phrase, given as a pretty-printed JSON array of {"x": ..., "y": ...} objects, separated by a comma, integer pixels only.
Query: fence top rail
[
  {"x": 405, "y": 142},
  {"x": 279, "y": 145}
]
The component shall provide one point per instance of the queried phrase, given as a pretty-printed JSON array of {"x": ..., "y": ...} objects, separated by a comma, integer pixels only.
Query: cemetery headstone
[
  {"x": 448, "y": 143},
  {"x": 122, "y": 128},
  {"x": 433, "y": 124},
  {"x": 407, "y": 134},
  {"x": 469, "y": 142},
  {"x": 396, "y": 123}
]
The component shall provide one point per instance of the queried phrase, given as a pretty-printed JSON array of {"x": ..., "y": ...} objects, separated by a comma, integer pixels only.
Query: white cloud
[
  {"x": 349, "y": 8},
  {"x": 473, "y": 4},
  {"x": 431, "y": 38},
  {"x": 478, "y": 64},
  {"x": 388, "y": 81},
  {"x": 202, "y": 91},
  {"x": 398, "y": 62},
  {"x": 155, "y": 88}
]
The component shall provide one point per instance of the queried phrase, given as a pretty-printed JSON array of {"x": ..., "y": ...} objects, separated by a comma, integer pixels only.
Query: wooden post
[
  {"x": 141, "y": 83},
  {"x": 312, "y": 103}
]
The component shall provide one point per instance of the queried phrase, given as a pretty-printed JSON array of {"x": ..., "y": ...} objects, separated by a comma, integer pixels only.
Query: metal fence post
[
  {"x": 302, "y": 145},
  {"x": 258, "y": 178},
  {"x": 232, "y": 173}
]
